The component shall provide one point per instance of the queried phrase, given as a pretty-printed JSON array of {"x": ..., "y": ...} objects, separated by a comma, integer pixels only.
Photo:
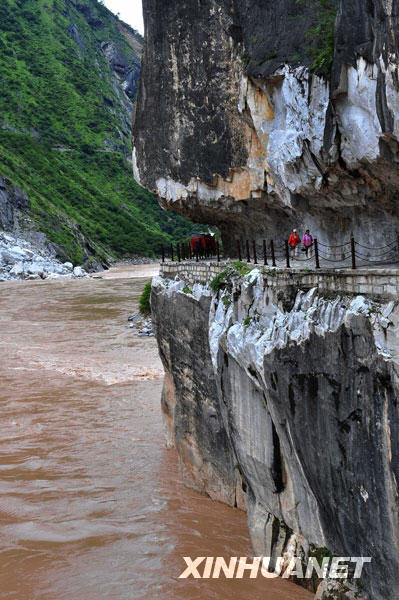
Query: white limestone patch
[
  {"x": 169, "y": 286},
  {"x": 257, "y": 325},
  {"x": 357, "y": 114},
  {"x": 391, "y": 71},
  {"x": 300, "y": 103},
  {"x": 173, "y": 191},
  {"x": 200, "y": 290},
  {"x": 220, "y": 316},
  {"x": 136, "y": 172}
]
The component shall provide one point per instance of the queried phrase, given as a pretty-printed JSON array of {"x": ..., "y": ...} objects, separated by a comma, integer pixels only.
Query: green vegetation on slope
[
  {"x": 94, "y": 191},
  {"x": 65, "y": 129}
]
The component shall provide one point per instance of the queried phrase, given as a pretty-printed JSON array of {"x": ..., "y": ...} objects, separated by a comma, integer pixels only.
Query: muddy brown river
[{"x": 91, "y": 504}]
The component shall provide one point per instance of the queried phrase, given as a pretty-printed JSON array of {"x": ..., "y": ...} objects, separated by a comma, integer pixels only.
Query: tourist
[
  {"x": 294, "y": 242},
  {"x": 308, "y": 243}
]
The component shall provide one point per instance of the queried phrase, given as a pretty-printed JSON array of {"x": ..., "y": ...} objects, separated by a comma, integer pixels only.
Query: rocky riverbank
[
  {"x": 142, "y": 325},
  {"x": 21, "y": 260}
]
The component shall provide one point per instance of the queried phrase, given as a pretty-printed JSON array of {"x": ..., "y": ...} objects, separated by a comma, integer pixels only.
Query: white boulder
[
  {"x": 17, "y": 270},
  {"x": 79, "y": 272}
]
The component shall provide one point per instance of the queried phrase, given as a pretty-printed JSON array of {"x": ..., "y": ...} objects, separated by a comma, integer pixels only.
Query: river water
[{"x": 91, "y": 504}]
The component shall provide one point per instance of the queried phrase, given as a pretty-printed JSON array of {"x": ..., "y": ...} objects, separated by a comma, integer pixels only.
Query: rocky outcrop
[
  {"x": 288, "y": 405},
  {"x": 20, "y": 260},
  {"x": 126, "y": 71},
  {"x": 12, "y": 200},
  {"x": 235, "y": 127},
  {"x": 122, "y": 49}
]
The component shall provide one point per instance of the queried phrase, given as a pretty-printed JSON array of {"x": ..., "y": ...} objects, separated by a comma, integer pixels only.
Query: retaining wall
[{"x": 379, "y": 283}]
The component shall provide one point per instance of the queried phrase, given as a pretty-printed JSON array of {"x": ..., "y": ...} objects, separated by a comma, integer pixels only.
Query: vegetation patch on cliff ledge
[{"x": 320, "y": 36}]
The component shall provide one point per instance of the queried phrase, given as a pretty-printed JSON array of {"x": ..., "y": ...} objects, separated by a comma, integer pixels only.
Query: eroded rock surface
[
  {"x": 291, "y": 408},
  {"x": 233, "y": 128}
]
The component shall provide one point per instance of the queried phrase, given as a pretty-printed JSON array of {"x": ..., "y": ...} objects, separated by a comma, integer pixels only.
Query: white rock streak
[{"x": 257, "y": 327}]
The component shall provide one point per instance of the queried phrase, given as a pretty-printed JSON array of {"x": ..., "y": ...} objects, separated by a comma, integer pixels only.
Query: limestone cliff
[
  {"x": 258, "y": 116},
  {"x": 287, "y": 401},
  {"x": 248, "y": 118}
]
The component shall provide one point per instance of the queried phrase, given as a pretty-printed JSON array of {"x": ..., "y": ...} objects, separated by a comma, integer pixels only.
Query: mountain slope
[{"x": 68, "y": 75}]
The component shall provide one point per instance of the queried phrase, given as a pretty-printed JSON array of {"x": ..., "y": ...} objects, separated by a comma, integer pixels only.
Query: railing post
[
  {"x": 398, "y": 241},
  {"x": 353, "y": 252},
  {"x": 163, "y": 254},
  {"x": 254, "y": 249},
  {"x": 239, "y": 250},
  {"x": 272, "y": 251},
  {"x": 287, "y": 254},
  {"x": 217, "y": 251},
  {"x": 178, "y": 252},
  {"x": 264, "y": 252},
  {"x": 171, "y": 253},
  {"x": 189, "y": 251},
  {"x": 316, "y": 254},
  {"x": 248, "y": 254}
]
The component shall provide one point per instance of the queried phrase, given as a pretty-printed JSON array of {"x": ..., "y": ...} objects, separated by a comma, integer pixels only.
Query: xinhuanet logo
[{"x": 213, "y": 567}]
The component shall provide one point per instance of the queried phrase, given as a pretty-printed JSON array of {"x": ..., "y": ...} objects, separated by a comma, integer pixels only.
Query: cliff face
[
  {"x": 288, "y": 404},
  {"x": 260, "y": 116},
  {"x": 250, "y": 117}
]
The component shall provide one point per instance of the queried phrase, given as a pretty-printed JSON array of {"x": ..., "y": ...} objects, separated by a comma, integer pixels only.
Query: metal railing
[
  {"x": 351, "y": 254},
  {"x": 183, "y": 251}
]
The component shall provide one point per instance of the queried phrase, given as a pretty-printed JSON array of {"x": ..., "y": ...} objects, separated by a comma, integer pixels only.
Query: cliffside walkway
[{"x": 351, "y": 254}]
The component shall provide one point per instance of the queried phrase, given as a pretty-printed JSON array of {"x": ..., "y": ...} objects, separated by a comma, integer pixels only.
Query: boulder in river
[{"x": 79, "y": 272}]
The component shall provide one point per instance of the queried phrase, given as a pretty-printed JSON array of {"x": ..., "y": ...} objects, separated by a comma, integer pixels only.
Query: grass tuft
[{"x": 144, "y": 301}]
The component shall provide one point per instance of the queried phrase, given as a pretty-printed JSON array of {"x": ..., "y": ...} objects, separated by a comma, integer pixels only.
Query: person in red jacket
[{"x": 294, "y": 242}]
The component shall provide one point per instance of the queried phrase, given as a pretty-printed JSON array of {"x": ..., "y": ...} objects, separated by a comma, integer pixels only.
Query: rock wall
[
  {"x": 281, "y": 398},
  {"x": 190, "y": 406},
  {"x": 235, "y": 128},
  {"x": 288, "y": 404}
]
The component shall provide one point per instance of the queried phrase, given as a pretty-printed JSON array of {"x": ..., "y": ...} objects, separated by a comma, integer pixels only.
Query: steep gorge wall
[
  {"x": 281, "y": 400},
  {"x": 287, "y": 403},
  {"x": 233, "y": 128}
]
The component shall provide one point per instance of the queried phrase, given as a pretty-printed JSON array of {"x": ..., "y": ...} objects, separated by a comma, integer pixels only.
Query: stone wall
[{"x": 377, "y": 283}]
